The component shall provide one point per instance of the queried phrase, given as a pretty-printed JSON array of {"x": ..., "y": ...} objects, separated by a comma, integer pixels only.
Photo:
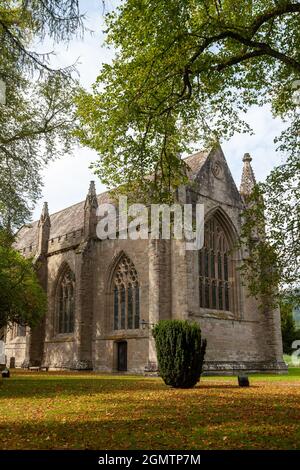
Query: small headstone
[
  {"x": 5, "y": 374},
  {"x": 243, "y": 381}
]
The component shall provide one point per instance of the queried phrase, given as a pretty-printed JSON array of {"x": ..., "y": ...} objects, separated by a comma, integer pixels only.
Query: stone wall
[
  {"x": 60, "y": 351},
  {"x": 244, "y": 338},
  {"x": 16, "y": 349},
  {"x": 106, "y": 257}
]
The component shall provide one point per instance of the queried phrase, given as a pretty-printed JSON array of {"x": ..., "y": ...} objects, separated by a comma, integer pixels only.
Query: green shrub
[
  {"x": 180, "y": 352},
  {"x": 288, "y": 328}
]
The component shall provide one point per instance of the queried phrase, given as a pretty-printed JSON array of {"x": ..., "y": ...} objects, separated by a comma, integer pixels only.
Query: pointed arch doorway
[{"x": 121, "y": 356}]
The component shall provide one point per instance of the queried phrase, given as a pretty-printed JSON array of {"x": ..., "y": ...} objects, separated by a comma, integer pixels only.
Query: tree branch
[{"x": 247, "y": 39}]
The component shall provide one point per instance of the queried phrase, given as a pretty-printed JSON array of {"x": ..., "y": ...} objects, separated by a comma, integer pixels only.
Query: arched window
[
  {"x": 216, "y": 270},
  {"x": 65, "y": 302},
  {"x": 21, "y": 330},
  {"x": 17, "y": 330},
  {"x": 126, "y": 296}
]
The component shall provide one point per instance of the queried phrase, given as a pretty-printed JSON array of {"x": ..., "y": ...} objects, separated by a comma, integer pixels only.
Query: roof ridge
[
  {"x": 69, "y": 207},
  {"x": 196, "y": 153},
  {"x": 70, "y": 218},
  {"x": 108, "y": 191}
]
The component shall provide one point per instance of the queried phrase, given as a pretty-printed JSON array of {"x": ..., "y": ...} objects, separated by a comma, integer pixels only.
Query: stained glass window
[
  {"x": 66, "y": 303},
  {"x": 126, "y": 296},
  {"x": 215, "y": 269}
]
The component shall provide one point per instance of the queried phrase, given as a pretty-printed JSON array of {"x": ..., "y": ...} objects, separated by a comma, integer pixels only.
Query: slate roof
[
  {"x": 196, "y": 161},
  {"x": 71, "y": 218}
]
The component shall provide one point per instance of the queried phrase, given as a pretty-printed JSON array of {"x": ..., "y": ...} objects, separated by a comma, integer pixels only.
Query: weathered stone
[{"x": 241, "y": 340}]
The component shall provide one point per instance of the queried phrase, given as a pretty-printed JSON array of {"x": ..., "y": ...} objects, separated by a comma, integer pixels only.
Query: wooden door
[{"x": 122, "y": 355}]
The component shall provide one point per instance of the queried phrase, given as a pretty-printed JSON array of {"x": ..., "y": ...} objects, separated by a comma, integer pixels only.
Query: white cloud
[
  {"x": 66, "y": 181},
  {"x": 260, "y": 145}
]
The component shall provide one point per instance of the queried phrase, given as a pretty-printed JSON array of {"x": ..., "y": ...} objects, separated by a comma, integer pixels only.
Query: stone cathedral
[{"x": 104, "y": 295}]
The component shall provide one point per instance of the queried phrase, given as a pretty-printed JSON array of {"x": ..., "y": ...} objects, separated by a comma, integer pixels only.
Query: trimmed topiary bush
[{"x": 180, "y": 352}]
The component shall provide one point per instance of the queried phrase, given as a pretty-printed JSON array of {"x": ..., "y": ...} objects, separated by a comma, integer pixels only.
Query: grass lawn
[{"x": 91, "y": 411}]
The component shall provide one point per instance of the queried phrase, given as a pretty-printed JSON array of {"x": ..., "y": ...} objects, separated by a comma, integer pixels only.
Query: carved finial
[
  {"x": 45, "y": 210},
  {"x": 44, "y": 214},
  {"x": 91, "y": 199},
  {"x": 248, "y": 179},
  {"x": 247, "y": 157},
  {"x": 92, "y": 189},
  {"x": 44, "y": 226},
  {"x": 90, "y": 211}
]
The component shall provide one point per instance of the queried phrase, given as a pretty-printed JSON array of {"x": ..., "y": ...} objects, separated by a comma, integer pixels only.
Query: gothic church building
[{"x": 104, "y": 295}]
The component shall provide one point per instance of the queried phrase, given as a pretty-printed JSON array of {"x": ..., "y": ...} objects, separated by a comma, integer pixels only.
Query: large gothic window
[
  {"x": 66, "y": 302},
  {"x": 17, "y": 330},
  {"x": 215, "y": 269},
  {"x": 126, "y": 296},
  {"x": 20, "y": 330}
]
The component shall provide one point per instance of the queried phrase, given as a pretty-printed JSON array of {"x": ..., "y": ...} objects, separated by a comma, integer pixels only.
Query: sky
[{"x": 66, "y": 181}]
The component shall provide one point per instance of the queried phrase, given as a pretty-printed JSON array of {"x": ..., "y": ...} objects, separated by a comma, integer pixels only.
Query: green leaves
[
  {"x": 271, "y": 227},
  {"x": 38, "y": 116},
  {"x": 180, "y": 352},
  {"x": 34, "y": 128},
  {"x": 288, "y": 327},
  {"x": 23, "y": 300},
  {"x": 182, "y": 74}
]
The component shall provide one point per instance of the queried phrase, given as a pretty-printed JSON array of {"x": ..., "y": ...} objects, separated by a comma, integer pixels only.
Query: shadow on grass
[
  {"x": 160, "y": 426},
  {"x": 119, "y": 412},
  {"x": 42, "y": 387},
  {"x": 224, "y": 386}
]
